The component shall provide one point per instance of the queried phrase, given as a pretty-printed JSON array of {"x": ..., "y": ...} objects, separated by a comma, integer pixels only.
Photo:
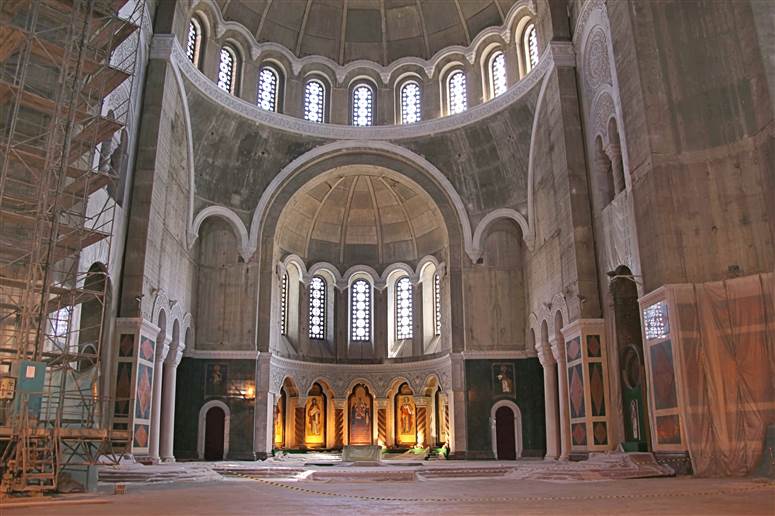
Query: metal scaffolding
[{"x": 66, "y": 77}]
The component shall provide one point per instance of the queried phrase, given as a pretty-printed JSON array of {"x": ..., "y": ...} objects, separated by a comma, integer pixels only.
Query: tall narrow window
[
  {"x": 456, "y": 92},
  {"x": 360, "y": 310},
  {"x": 194, "y": 42},
  {"x": 268, "y": 88},
  {"x": 284, "y": 305},
  {"x": 363, "y": 105},
  {"x": 530, "y": 46},
  {"x": 404, "y": 301},
  {"x": 498, "y": 83},
  {"x": 317, "y": 308},
  {"x": 227, "y": 69},
  {"x": 411, "y": 102},
  {"x": 315, "y": 101},
  {"x": 436, "y": 304}
]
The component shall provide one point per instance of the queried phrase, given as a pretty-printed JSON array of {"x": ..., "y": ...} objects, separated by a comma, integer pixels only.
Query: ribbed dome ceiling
[
  {"x": 377, "y": 30},
  {"x": 363, "y": 219}
]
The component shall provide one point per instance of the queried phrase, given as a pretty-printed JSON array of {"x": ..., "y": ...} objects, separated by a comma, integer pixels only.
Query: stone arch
[
  {"x": 500, "y": 213},
  {"x": 200, "y": 441},
  {"x": 299, "y": 171},
  {"x": 240, "y": 231},
  {"x": 162, "y": 302}
]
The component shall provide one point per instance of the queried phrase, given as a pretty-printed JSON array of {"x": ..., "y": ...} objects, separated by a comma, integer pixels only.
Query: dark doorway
[
  {"x": 631, "y": 365},
  {"x": 504, "y": 434},
  {"x": 214, "y": 428}
]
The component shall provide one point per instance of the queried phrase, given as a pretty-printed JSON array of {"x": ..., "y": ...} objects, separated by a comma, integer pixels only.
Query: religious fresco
[
  {"x": 503, "y": 379},
  {"x": 360, "y": 413},
  {"x": 215, "y": 379},
  {"x": 315, "y": 418},
  {"x": 406, "y": 417}
]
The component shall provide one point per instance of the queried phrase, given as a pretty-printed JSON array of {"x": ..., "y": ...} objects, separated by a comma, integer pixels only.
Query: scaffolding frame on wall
[{"x": 67, "y": 70}]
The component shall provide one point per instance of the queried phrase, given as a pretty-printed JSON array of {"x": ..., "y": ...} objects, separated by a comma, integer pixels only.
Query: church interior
[{"x": 507, "y": 250}]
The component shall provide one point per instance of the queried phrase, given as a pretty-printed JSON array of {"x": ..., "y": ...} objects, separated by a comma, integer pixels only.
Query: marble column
[
  {"x": 558, "y": 353},
  {"x": 550, "y": 402},
  {"x": 167, "y": 434},
  {"x": 162, "y": 350}
]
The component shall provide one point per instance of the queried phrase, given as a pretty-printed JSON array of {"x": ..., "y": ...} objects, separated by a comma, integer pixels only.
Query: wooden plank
[{"x": 10, "y": 41}]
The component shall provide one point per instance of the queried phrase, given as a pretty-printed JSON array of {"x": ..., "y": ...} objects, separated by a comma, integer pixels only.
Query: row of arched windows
[
  {"x": 360, "y": 309},
  {"x": 362, "y": 96}
]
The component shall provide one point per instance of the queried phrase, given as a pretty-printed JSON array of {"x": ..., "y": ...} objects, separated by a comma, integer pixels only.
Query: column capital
[
  {"x": 381, "y": 403},
  {"x": 340, "y": 403},
  {"x": 558, "y": 349},
  {"x": 545, "y": 354}
]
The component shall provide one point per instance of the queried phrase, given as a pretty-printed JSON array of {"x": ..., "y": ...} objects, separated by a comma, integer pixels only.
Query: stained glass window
[
  {"x": 456, "y": 92},
  {"x": 315, "y": 101},
  {"x": 363, "y": 105},
  {"x": 404, "y": 299},
  {"x": 360, "y": 310},
  {"x": 268, "y": 88},
  {"x": 656, "y": 324},
  {"x": 194, "y": 41},
  {"x": 498, "y": 73},
  {"x": 284, "y": 305},
  {"x": 317, "y": 308},
  {"x": 226, "y": 69},
  {"x": 437, "y": 304},
  {"x": 411, "y": 105},
  {"x": 530, "y": 44}
]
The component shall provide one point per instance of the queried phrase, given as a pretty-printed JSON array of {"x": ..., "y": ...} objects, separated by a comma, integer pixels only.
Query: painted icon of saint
[{"x": 313, "y": 418}]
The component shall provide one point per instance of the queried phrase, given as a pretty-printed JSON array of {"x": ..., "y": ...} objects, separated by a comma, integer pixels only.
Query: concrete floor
[{"x": 663, "y": 496}]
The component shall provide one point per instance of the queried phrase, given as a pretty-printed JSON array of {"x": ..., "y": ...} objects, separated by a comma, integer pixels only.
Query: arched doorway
[
  {"x": 632, "y": 370},
  {"x": 506, "y": 426},
  {"x": 215, "y": 423},
  {"x": 213, "y": 435}
]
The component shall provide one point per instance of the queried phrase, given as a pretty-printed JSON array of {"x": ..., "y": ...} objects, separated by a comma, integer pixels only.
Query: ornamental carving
[{"x": 597, "y": 69}]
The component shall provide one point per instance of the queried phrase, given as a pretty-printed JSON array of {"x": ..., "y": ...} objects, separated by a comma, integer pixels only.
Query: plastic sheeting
[{"x": 728, "y": 374}]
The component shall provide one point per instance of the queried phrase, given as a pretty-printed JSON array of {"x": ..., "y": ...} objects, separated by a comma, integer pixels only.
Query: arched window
[
  {"x": 437, "y": 304},
  {"x": 227, "y": 69},
  {"x": 360, "y": 310},
  {"x": 403, "y": 304},
  {"x": 498, "y": 84},
  {"x": 456, "y": 92},
  {"x": 284, "y": 305},
  {"x": 268, "y": 91},
  {"x": 315, "y": 101},
  {"x": 194, "y": 42},
  {"x": 362, "y": 105},
  {"x": 411, "y": 102},
  {"x": 530, "y": 47},
  {"x": 317, "y": 308}
]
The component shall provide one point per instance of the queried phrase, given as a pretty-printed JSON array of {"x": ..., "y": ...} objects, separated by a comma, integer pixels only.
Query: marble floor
[{"x": 506, "y": 495}]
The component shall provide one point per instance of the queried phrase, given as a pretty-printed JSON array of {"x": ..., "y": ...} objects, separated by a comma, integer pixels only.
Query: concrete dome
[
  {"x": 363, "y": 218},
  {"x": 377, "y": 30}
]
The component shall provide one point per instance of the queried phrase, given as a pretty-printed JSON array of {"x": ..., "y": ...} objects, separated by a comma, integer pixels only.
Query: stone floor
[{"x": 236, "y": 496}]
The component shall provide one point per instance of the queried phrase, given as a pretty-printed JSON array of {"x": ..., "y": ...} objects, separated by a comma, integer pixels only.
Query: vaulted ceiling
[
  {"x": 361, "y": 218},
  {"x": 376, "y": 30}
]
